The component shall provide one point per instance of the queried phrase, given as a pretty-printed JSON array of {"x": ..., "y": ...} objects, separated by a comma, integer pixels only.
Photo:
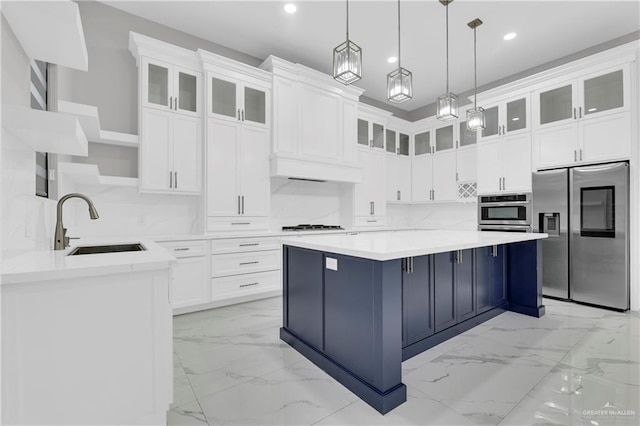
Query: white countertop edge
[
  {"x": 50, "y": 265},
  {"x": 378, "y": 251}
]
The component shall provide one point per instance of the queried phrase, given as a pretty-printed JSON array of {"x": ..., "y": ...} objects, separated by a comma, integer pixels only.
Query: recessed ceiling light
[
  {"x": 392, "y": 59},
  {"x": 510, "y": 36},
  {"x": 290, "y": 8},
  {"x": 515, "y": 119}
]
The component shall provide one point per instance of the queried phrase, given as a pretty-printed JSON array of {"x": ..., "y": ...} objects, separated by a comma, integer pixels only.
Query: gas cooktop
[{"x": 308, "y": 227}]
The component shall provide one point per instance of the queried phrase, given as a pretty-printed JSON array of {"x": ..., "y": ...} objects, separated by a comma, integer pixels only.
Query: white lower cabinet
[
  {"x": 245, "y": 268},
  {"x": 189, "y": 286}
]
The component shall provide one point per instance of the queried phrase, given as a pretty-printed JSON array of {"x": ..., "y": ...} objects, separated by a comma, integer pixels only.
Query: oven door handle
[{"x": 506, "y": 203}]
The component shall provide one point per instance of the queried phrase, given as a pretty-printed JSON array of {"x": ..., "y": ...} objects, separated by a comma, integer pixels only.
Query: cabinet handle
[
  {"x": 248, "y": 285},
  {"x": 242, "y": 115},
  {"x": 574, "y": 113},
  {"x": 253, "y": 262},
  {"x": 238, "y": 114},
  {"x": 457, "y": 176},
  {"x": 459, "y": 257},
  {"x": 242, "y": 204},
  {"x": 170, "y": 102},
  {"x": 170, "y": 179},
  {"x": 579, "y": 112},
  {"x": 371, "y": 221},
  {"x": 181, "y": 249},
  {"x": 504, "y": 129},
  {"x": 370, "y": 207},
  {"x": 580, "y": 154},
  {"x": 504, "y": 183},
  {"x": 238, "y": 204},
  {"x": 175, "y": 179},
  {"x": 398, "y": 195},
  {"x": 175, "y": 104},
  {"x": 411, "y": 265},
  {"x": 248, "y": 244},
  {"x": 241, "y": 223},
  {"x": 499, "y": 130},
  {"x": 575, "y": 155},
  {"x": 494, "y": 251},
  {"x": 371, "y": 142}
]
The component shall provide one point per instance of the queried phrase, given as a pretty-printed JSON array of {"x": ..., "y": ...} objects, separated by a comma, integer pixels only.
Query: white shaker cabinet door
[
  {"x": 516, "y": 163},
  {"x": 606, "y": 138},
  {"x": 155, "y": 147},
  {"x": 421, "y": 178},
  {"x": 444, "y": 176},
  {"x": 556, "y": 146},
  {"x": 253, "y": 168},
  {"x": 187, "y": 153},
  {"x": 190, "y": 285},
  {"x": 222, "y": 159},
  {"x": 489, "y": 167}
]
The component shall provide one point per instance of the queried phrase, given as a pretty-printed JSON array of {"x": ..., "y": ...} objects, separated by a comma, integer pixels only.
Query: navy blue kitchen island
[{"x": 359, "y": 305}]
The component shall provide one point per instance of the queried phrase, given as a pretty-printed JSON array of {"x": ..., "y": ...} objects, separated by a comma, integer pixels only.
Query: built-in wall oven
[{"x": 505, "y": 212}]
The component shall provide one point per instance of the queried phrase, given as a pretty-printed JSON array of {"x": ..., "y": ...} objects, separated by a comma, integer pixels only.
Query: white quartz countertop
[
  {"x": 45, "y": 265},
  {"x": 399, "y": 244}
]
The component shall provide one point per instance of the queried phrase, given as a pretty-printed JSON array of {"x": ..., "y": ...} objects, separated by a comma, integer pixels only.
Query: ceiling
[{"x": 547, "y": 30}]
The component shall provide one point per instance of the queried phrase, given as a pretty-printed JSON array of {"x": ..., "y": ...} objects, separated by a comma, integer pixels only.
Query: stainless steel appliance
[
  {"x": 505, "y": 212},
  {"x": 585, "y": 211}
]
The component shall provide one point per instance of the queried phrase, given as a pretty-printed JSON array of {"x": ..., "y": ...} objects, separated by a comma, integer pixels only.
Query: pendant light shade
[
  {"x": 347, "y": 59},
  {"x": 400, "y": 80},
  {"x": 475, "y": 116},
  {"x": 447, "y": 105}
]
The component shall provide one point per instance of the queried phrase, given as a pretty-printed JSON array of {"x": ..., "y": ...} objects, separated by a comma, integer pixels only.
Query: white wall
[{"x": 26, "y": 220}]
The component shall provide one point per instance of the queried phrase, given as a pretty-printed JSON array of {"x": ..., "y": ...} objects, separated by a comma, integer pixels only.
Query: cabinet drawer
[
  {"x": 240, "y": 223},
  {"x": 234, "y": 245},
  {"x": 242, "y": 263},
  {"x": 244, "y": 284},
  {"x": 369, "y": 221},
  {"x": 185, "y": 248}
]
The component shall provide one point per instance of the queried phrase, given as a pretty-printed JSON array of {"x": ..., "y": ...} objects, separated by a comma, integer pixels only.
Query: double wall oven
[{"x": 505, "y": 212}]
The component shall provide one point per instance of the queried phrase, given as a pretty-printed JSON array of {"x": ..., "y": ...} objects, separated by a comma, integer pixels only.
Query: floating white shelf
[
  {"x": 45, "y": 131},
  {"x": 89, "y": 174},
  {"x": 49, "y": 31},
  {"x": 90, "y": 122}
]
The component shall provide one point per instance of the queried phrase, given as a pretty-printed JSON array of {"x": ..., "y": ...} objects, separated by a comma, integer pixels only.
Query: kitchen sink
[{"x": 112, "y": 248}]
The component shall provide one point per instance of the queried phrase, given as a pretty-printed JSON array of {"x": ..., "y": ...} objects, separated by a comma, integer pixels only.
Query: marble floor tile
[
  {"x": 188, "y": 414},
  {"x": 418, "y": 410},
  {"x": 569, "y": 396},
  {"x": 480, "y": 380},
  {"x": 299, "y": 394},
  {"x": 576, "y": 365}
]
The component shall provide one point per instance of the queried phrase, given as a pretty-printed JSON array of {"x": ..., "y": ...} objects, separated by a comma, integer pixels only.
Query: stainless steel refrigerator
[{"x": 585, "y": 211}]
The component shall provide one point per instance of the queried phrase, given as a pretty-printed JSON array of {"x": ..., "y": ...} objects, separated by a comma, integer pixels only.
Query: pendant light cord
[
  {"x": 475, "y": 71},
  {"x": 399, "y": 56},
  {"x": 347, "y": 19},
  {"x": 447, "y": 31}
]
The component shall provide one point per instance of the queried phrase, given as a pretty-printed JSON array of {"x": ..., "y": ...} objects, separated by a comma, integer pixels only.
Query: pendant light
[
  {"x": 347, "y": 59},
  {"x": 447, "y": 105},
  {"x": 475, "y": 116},
  {"x": 400, "y": 80}
]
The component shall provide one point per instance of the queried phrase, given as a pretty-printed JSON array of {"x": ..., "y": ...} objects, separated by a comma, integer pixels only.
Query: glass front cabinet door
[
  {"x": 237, "y": 101},
  {"x": 594, "y": 95},
  {"x": 170, "y": 88},
  {"x": 506, "y": 117}
]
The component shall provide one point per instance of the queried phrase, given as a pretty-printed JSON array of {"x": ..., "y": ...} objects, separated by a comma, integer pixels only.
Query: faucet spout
[{"x": 61, "y": 241}]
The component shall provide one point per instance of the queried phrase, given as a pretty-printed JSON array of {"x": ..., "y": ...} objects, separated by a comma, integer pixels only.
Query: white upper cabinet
[
  {"x": 584, "y": 120},
  {"x": 397, "y": 147},
  {"x": 370, "y": 133},
  {"x": 504, "y": 165},
  {"x": 170, "y": 87},
  {"x": 370, "y": 204},
  {"x": 506, "y": 117},
  {"x": 235, "y": 100},
  {"x": 466, "y": 163},
  {"x": 170, "y": 117}
]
